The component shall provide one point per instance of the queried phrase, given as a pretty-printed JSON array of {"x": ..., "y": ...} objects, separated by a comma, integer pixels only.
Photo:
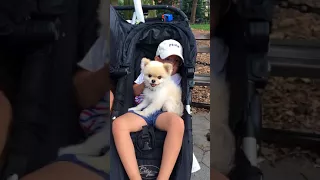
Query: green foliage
[
  {"x": 165, "y": 2},
  {"x": 187, "y": 6},
  {"x": 120, "y": 2}
]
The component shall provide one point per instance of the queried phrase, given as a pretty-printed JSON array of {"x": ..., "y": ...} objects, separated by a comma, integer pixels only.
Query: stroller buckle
[
  {"x": 145, "y": 132},
  {"x": 146, "y": 146},
  {"x": 145, "y": 138}
]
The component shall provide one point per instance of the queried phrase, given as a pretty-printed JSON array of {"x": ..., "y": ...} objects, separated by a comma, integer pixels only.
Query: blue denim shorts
[{"x": 151, "y": 120}]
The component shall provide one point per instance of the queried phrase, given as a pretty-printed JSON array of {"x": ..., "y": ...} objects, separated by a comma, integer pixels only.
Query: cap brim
[{"x": 165, "y": 55}]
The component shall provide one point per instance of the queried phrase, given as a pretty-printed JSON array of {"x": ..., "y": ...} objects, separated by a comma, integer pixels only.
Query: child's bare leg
[
  {"x": 5, "y": 118},
  {"x": 174, "y": 126},
  {"x": 121, "y": 128}
]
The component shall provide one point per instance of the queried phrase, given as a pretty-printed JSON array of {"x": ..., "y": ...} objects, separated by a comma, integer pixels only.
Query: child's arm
[
  {"x": 138, "y": 89},
  {"x": 91, "y": 86}
]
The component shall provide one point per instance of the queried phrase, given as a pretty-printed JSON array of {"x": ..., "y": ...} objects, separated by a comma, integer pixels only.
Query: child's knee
[
  {"x": 121, "y": 124},
  {"x": 177, "y": 124},
  {"x": 118, "y": 125}
]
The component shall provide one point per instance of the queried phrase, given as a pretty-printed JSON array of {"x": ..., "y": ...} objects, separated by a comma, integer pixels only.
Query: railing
[
  {"x": 202, "y": 79},
  {"x": 288, "y": 58}
]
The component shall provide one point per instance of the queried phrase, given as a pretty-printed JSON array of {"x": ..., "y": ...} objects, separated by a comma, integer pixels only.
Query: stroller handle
[{"x": 155, "y": 7}]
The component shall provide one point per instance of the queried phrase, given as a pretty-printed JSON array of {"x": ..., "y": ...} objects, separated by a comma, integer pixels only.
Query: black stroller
[
  {"x": 130, "y": 43},
  {"x": 245, "y": 29}
]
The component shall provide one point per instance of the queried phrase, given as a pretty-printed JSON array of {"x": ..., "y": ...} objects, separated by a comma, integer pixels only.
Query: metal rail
[
  {"x": 202, "y": 79},
  {"x": 200, "y": 105},
  {"x": 291, "y": 138},
  {"x": 295, "y": 58},
  {"x": 287, "y": 59}
]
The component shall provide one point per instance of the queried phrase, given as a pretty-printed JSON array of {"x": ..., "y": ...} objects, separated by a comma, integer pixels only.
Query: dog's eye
[
  {"x": 150, "y": 75},
  {"x": 159, "y": 77}
]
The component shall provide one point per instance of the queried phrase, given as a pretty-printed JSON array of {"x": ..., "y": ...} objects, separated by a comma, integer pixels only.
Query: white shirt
[
  {"x": 176, "y": 78},
  {"x": 97, "y": 56}
]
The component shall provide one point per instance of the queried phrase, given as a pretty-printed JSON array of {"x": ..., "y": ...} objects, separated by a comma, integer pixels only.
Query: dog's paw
[
  {"x": 141, "y": 113},
  {"x": 164, "y": 108},
  {"x": 132, "y": 109}
]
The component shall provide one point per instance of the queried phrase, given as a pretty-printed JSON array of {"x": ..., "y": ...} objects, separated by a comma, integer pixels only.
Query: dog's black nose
[{"x": 153, "y": 81}]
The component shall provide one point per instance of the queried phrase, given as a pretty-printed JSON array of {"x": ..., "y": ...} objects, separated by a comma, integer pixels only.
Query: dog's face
[{"x": 155, "y": 72}]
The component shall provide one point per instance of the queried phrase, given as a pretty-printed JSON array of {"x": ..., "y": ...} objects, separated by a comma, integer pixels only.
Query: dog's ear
[
  {"x": 144, "y": 62},
  {"x": 168, "y": 67}
]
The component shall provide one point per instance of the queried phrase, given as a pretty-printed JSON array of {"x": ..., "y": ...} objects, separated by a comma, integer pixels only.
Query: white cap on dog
[{"x": 168, "y": 48}]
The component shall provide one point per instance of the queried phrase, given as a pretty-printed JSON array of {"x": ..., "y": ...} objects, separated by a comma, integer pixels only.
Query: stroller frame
[
  {"x": 246, "y": 28},
  {"x": 124, "y": 77}
]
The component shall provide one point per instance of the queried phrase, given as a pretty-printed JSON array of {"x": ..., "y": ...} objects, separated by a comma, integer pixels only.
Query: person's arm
[
  {"x": 138, "y": 85},
  {"x": 138, "y": 89},
  {"x": 5, "y": 119},
  {"x": 91, "y": 86},
  {"x": 92, "y": 81}
]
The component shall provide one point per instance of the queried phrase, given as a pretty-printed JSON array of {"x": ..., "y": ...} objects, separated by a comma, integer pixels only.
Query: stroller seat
[{"x": 132, "y": 43}]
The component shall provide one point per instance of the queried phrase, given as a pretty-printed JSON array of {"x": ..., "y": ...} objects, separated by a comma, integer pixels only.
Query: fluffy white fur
[{"x": 160, "y": 91}]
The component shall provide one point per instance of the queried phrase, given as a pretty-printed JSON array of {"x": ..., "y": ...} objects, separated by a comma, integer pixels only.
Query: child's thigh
[
  {"x": 128, "y": 122},
  {"x": 168, "y": 120}
]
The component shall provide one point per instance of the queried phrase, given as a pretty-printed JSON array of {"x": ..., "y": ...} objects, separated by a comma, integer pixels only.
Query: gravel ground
[{"x": 288, "y": 103}]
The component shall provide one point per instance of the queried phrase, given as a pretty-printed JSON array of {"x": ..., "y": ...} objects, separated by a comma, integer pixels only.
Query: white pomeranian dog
[{"x": 160, "y": 92}]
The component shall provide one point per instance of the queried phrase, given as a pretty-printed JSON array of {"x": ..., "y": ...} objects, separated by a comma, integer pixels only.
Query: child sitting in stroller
[{"x": 165, "y": 121}]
